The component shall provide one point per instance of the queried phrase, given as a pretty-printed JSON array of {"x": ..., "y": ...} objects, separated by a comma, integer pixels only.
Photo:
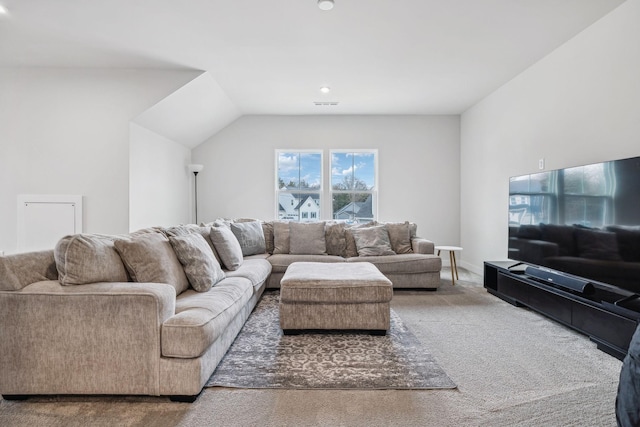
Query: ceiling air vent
[{"x": 325, "y": 103}]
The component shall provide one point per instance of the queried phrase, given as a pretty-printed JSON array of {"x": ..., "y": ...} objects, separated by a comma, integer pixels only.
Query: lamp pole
[
  {"x": 195, "y": 169},
  {"x": 195, "y": 182}
]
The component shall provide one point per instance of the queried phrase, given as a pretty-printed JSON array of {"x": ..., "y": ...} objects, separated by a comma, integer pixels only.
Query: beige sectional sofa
[{"x": 153, "y": 312}]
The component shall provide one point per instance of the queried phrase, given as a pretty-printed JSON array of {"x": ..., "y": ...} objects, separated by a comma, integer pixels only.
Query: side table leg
[
  {"x": 455, "y": 264},
  {"x": 452, "y": 261}
]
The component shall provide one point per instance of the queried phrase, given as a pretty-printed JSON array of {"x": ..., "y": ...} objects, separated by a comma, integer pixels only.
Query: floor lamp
[{"x": 195, "y": 168}]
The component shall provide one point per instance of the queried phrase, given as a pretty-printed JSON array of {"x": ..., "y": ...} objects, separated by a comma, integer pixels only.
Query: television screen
[{"x": 582, "y": 220}]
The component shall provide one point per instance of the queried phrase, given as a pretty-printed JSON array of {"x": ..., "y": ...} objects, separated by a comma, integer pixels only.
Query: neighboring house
[
  {"x": 356, "y": 211},
  {"x": 287, "y": 206},
  {"x": 309, "y": 209},
  {"x": 302, "y": 207}
]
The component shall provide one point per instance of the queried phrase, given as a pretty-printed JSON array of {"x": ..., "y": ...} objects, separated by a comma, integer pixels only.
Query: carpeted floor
[
  {"x": 262, "y": 357},
  {"x": 512, "y": 366}
]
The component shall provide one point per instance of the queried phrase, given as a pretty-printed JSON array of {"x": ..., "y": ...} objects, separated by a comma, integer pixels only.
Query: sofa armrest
[
  {"x": 101, "y": 338},
  {"x": 422, "y": 246}
]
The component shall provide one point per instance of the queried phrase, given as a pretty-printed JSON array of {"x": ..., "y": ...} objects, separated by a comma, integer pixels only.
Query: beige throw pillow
[
  {"x": 335, "y": 238},
  {"x": 150, "y": 258},
  {"x": 400, "y": 237},
  {"x": 307, "y": 238},
  {"x": 280, "y": 237},
  {"x": 372, "y": 241},
  {"x": 227, "y": 247},
  {"x": 88, "y": 258},
  {"x": 196, "y": 257}
]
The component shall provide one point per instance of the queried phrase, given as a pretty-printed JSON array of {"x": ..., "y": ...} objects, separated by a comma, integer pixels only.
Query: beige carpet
[{"x": 512, "y": 367}]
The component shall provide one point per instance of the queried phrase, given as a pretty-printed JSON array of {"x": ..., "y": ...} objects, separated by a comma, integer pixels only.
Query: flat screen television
[{"x": 583, "y": 221}]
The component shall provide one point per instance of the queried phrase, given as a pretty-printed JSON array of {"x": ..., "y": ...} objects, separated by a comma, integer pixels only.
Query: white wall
[
  {"x": 419, "y": 174},
  {"x": 160, "y": 186},
  {"x": 578, "y": 105},
  {"x": 66, "y": 131}
]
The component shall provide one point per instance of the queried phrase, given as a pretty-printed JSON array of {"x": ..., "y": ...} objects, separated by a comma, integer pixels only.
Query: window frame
[
  {"x": 373, "y": 191},
  {"x": 293, "y": 193}
]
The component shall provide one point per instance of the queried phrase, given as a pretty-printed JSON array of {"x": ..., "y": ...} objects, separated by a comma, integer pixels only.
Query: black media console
[{"x": 607, "y": 314}]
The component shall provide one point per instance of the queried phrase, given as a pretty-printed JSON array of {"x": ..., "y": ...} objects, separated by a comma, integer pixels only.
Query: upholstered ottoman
[{"x": 353, "y": 296}]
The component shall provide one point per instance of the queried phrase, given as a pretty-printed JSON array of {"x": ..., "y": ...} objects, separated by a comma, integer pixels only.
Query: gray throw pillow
[
  {"x": 150, "y": 258},
  {"x": 351, "y": 249},
  {"x": 250, "y": 236},
  {"x": 196, "y": 257},
  {"x": 227, "y": 246},
  {"x": 400, "y": 237},
  {"x": 204, "y": 230},
  {"x": 88, "y": 258},
  {"x": 372, "y": 241},
  {"x": 280, "y": 237},
  {"x": 307, "y": 238}
]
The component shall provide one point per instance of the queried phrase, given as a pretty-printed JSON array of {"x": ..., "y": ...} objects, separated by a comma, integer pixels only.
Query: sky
[{"x": 308, "y": 167}]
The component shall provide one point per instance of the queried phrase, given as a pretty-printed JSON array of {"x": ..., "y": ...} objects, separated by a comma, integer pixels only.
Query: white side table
[{"x": 452, "y": 259}]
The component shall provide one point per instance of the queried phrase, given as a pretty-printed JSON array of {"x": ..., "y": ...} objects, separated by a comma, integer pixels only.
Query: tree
[{"x": 353, "y": 184}]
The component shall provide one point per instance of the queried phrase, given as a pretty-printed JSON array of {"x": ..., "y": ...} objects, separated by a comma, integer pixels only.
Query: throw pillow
[
  {"x": 335, "y": 238},
  {"x": 351, "y": 249},
  {"x": 203, "y": 230},
  {"x": 280, "y": 237},
  {"x": 88, "y": 258},
  {"x": 227, "y": 247},
  {"x": 400, "y": 237},
  {"x": 307, "y": 238},
  {"x": 150, "y": 258},
  {"x": 196, "y": 257},
  {"x": 267, "y": 230},
  {"x": 372, "y": 241},
  {"x": 250, "y": 236}
]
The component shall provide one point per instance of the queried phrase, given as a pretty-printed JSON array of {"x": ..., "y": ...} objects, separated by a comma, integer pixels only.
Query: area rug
[{"x": 262, "y": 357}]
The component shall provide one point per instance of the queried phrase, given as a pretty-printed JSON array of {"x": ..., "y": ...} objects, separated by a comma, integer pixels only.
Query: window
[
  {"x": 299, "y": 184},
  {"x": 353, "y": 185}
]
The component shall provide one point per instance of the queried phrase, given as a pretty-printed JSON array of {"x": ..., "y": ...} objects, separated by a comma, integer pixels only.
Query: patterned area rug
[{"x": 262, "y": 357}]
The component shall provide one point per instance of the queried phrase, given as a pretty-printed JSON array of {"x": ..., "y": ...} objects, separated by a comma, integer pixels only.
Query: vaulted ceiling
[{"x": 272, "y": 57}]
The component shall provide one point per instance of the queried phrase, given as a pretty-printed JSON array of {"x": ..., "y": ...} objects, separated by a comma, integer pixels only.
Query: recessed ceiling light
[
  {"x": 3, "y": 10},
  {"x": 325, "y": 89},
  {"x": 325, "y": 4}
]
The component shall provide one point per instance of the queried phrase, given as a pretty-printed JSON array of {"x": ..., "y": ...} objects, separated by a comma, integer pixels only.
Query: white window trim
[
  {"x": 320, "y": 191},
  {"x": 373, "y": 191}
]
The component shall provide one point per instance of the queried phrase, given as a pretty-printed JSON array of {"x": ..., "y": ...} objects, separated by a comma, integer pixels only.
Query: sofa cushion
[
  {"x": 227, "y": 246},
  {"x": 307, "y": 238},
  {"x": 196, "y": 257},
  {"x": 562, "y": 235},
  {"x": 88, "y": 258},
  {"x": 628, "y": 241},
  {"x": 400, "y": 237},
  {"x": 280, "y": 237},
  {"x": 403, "y": 264},
  {"x": 280, "y": 262},
  {"x": 597, "y": 244},
  {"x": 201, "y": 318},
  {"x": 372, "y": 241},
  {"x": 250, "y": 236},
  {"x": 256, "y": 270},
  {"x": 20, "y": 270},
  {"x": 150, "y": 258}
]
